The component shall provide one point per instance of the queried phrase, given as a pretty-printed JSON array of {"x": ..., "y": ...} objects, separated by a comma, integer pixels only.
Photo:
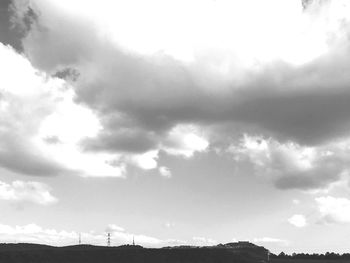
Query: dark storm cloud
[
  {"x": 308, "y": 118},
  {"x": 140, "y": 98},
  {"x": 307, "y": 104},
  {"x": 310, "y": 113}
]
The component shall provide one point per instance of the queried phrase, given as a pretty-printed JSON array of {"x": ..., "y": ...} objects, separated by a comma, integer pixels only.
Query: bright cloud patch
[
  {"x": 26, "y": 98},
  {"x": 204, "y": 241},
  {"x": 146, "y": 160},
  {"x": 57, "y": 126},
  {"x": 20, "y": 191},
  {"x": 334, "y": 210},
  {"x": 297, "y": 220},
  {"x": 33, "y": 233},
  {"x": 185, "y": 140},
  {"x": 41, "y": 125},
  {"x": 165, "y": 171}
]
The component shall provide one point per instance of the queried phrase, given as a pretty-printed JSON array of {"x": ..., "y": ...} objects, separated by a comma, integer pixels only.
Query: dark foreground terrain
[
  {"x": 240, "y": 252},
  {"x": 32, "y": 253},
  {"x": 276, "y": 260}
]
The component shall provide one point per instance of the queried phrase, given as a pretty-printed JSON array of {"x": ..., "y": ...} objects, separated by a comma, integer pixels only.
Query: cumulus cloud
[
  {"x": 49, "y": 141},
  {"x": 191, "y": 83},
  {"x": 24, "y": 102},
  {"x": 41, "y": 126},
  {"x": 185, "y": 140},
  {"x": 165, "y": 171},
  {"x": 20, "y": 191},
  {"x": 297, "y": 220},
  {"x": 170, "y": 91},
  {"x": 293, "y": 166},
  {"x": 334, "y": 209}
]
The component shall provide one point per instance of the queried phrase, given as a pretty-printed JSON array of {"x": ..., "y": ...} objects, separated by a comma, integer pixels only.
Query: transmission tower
[{"x": 109, "y": 239}]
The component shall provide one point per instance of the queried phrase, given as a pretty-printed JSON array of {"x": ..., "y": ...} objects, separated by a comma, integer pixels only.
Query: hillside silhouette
[
  {"x": 240, "y": 252},
  {"x": 222, "y": 253}
]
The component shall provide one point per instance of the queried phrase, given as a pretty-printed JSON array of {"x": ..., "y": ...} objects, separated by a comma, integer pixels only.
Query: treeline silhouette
[
  {"x": 239, "y": 252},
  {"x": 31, "y": 253},
  {"x": 326, "y": 256}
]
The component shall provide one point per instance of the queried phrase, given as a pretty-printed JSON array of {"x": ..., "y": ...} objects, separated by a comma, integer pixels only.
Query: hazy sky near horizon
[{"x": 176, "y": 122}]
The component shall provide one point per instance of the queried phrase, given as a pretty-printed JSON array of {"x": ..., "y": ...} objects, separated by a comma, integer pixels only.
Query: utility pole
[
  {"x": 133, "y": 241},
  {"x": 109, "y": 239},
  {"x": 79, "y": 238}
]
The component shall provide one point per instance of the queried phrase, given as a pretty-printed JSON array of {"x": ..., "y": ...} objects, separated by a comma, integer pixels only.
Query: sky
[{"x": 176, "y": 122}]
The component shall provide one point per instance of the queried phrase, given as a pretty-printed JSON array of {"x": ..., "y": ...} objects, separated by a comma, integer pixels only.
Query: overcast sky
[{"x": 178, "y": 122}]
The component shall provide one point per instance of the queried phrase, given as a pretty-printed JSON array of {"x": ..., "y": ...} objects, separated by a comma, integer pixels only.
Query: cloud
[
  {"x": 114, "y": 228},
  {"x": 297, "y": 220},
  {"x": 9, "y": 36},
  {"x": 34, "y": 233},
  {"x": 47, "y": 144},
  {"x": 123, "y": 140},
  {"x": 39, "y": 134},
  {"x": 146, "y": 161},
  {"x": 296, "y": 201},
  {"x": 204, "y": 241},
  {"x": 20, "y": 191},
  {"x": 285, "y": 82},
  {"x": 165, "y": 172},
  {"x": 169, "y": 225},
  {"x": 167, "y": 91},
  {"x": 279, "y": 241},
  {"x": 333, "y": 209},
  {"x": 185, "y": 140},
  {"x": 21, "y": 111},
  {"x": 293, "y": 166},
  {"x": 120, "y": 236}
]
